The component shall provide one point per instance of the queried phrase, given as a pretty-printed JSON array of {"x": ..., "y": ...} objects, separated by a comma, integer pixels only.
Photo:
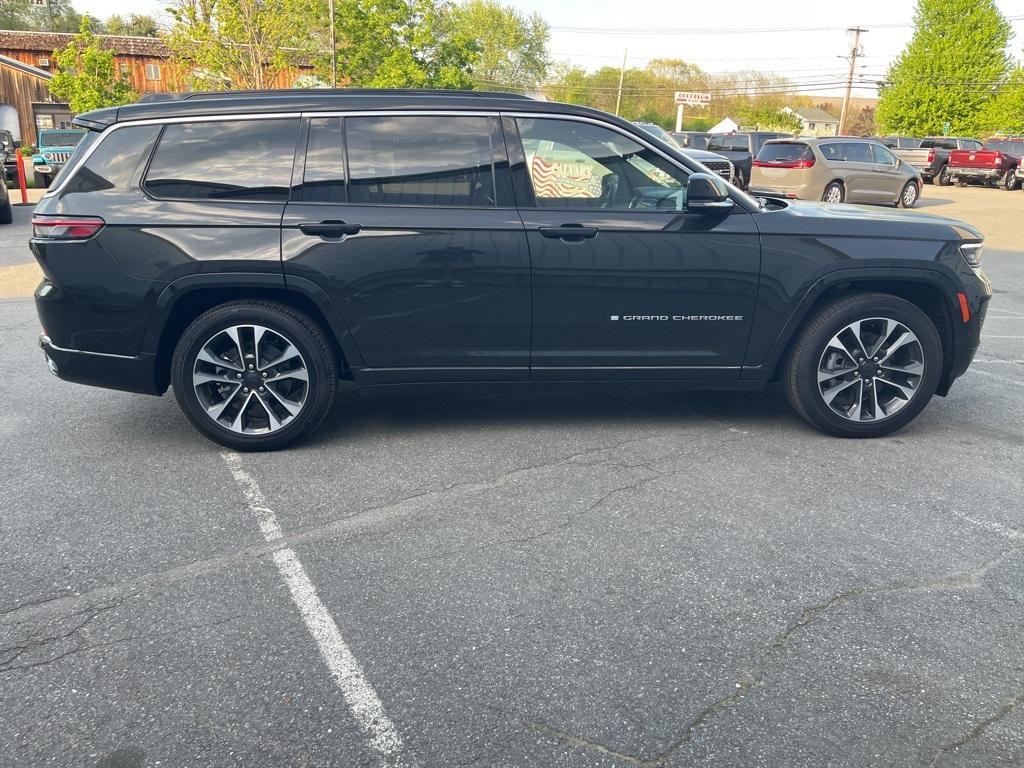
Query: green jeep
[{"x": 54, "y": 149}]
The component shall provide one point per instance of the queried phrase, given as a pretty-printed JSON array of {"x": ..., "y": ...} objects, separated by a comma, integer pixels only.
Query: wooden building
[{"x": 144, "y": 61}]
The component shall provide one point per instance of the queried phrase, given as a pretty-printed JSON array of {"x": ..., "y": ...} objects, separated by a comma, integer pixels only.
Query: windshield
[{"x": 60, "y": 138}]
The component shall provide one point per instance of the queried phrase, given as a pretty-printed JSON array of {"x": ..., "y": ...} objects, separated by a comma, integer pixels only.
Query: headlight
[{"x": 972, "y": 253}]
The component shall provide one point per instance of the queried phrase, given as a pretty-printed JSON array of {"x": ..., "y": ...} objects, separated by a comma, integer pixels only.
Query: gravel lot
[{"x": 548, "y": 579}]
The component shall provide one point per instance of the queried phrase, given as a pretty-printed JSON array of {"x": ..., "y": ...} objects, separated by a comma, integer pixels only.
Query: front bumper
[
  {"x": 990, "y": 174},
  {"x": 129, "y": 374}
]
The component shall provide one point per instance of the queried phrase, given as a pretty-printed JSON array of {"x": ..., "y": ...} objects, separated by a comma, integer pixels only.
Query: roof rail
[{"x": 157, "y": 97}]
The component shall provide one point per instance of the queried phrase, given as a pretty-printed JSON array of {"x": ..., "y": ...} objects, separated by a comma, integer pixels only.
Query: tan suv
[{"x": 834, "y": 170}]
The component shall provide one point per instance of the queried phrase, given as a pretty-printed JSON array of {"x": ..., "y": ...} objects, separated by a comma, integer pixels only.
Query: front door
[
  {"x": 420, "y": 248},
  {"x": 891, "y": 180},
  {"x": 626, "y": 282}
]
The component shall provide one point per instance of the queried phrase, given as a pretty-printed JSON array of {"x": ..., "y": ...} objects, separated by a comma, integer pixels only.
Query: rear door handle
[
  {"x": 329, "y": 229},
  {"x": 569, "y": 233}
]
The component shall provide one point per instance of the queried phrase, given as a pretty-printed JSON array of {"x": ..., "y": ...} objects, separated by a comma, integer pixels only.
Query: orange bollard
[{"x": 21, "y": 177}]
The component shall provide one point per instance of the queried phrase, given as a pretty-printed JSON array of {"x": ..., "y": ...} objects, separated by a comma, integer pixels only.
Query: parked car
[
  {"x": 989, "y": 165},
  {"x": 711, "y": 160},
  {"x": 691, "y": 139},
  {"x": 900, "y": 142},
  {"x": 8, "y": 148},
  {"x": 235, "y": 248},
  {"x": 6, "y": 212},
  {"x": 741, "y": 148},
  {"x": 931, "y": 158},
  {"x": 834, "y": 170},
  {"x": 53, "y": 151}
]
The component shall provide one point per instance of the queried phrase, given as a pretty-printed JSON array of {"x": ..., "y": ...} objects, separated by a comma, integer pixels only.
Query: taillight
[
  {"x": 931, "y": 155},
  {"x": 999, "y": 161},
  {"x": 66, "y": 227},
  {"x": 785, "y": 164}
]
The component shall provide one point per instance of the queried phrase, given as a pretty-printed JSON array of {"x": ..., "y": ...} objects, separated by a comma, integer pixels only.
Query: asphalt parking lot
[{"x": 516, "y": 579}]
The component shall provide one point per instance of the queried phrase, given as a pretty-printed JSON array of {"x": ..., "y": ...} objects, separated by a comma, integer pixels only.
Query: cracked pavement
[{"x": 527, "y": 579}]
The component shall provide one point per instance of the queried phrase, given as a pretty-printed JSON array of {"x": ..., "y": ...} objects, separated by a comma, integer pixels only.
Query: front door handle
[
  {"x": 569, "y": 233},
  {"x": 329, "y": 229}
]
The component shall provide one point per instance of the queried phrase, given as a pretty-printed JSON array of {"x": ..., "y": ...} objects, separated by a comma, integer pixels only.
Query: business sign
[{"x": 692, "y": 98}]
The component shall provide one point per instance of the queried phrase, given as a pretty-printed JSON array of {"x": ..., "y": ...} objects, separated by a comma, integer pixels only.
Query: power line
[{"x": 729, "y": 31}]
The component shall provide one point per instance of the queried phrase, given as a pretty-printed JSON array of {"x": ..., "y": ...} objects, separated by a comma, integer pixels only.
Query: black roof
[{"x": 314, "y": 100}]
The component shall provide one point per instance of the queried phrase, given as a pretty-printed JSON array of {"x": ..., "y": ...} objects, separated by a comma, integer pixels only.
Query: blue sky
[{"x": 708, "y": 38}]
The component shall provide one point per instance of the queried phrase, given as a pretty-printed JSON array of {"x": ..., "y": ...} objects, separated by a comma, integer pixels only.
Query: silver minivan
[{"x": 834, "y": 170}]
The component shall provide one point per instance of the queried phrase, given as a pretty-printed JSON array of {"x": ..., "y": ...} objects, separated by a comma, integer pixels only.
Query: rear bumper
[
  {"x": 804, "y": 192},
  {"x": 991, "y": 174},
  {"x": 129, "y": 374}
]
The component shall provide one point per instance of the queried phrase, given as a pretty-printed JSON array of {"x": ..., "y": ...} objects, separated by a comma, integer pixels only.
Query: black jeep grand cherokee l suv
[{"x": 252, "y": 249}]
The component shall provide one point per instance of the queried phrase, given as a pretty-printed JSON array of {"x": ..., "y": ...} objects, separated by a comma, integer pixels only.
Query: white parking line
[
  {"x": 987, "y": 336},
  {"x": 996, "y": 376},
  {"x": 362, "y": 700},
  {"x": 992, "y": 527}
]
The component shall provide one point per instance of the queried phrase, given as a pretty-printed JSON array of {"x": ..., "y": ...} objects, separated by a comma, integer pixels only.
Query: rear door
[
  {"x": 414, "y": 235},
  {"x": 626, "y": 282}
]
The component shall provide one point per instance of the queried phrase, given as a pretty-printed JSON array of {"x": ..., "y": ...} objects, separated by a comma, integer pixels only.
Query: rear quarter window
[
  {"x": 247, "y": 160},
  {"x": 81, "y": 148},
  {"x": 117, "y": 163}
]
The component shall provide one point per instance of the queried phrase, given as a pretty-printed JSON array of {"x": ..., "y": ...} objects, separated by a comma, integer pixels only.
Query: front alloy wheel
[
  {"x": 871, "y": 369},
  {"x": 864, "y": 365},
  {"x": 254, "y": 375},
  {"x": 908, "y": 198}
]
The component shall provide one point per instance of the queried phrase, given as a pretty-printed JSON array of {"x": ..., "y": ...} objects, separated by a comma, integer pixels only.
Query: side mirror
[{"x": 706, "y": 192}]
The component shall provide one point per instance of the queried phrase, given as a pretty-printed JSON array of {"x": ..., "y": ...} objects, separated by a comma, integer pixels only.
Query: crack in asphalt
[
  {"x": 1004, "y": 709},
  {"x": 741, "y": 686}
]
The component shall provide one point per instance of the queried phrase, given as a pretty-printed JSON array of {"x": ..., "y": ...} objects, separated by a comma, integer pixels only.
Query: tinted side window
[
  {"x": 729, "y": 143},
  {"x": 224, "y": 160},
  {"x": 420, "y": 160},
  {"x": 324, "y": 177},
  {"x": 115, "y": 162}
]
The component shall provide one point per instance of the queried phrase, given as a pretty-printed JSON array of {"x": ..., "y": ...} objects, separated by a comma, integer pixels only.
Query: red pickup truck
[{"x": 995, "y": 164}]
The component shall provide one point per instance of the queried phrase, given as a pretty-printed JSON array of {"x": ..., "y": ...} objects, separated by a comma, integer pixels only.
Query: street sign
[
  {"x": 946, "y": 127},
  {"x": 692, "y": 98}
]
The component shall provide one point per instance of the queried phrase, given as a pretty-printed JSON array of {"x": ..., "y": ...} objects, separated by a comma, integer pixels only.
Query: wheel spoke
[
  {"x": 831, "y": 394},
  {"x": 883, "y": 337},
  {"x": 908, "y": 392},
  {"x": 232, "y": 333},
  {"x": 274, "y": 422},
  {"x": 207, "y": 357},
  {"x": 257, "y": 332},
  {"x": 912, "y": 369},
  {"x": 237, "y": 425},
  {"x": 826, "y": 376},
  {"x": 873, "y": 391},
  {"x": 901, "y": 341},
  {"x": 855, "y": 409},
  {"x": 217, "y": 409},
  {"x": 205, "y": 378},
  {"x": 291, "y": 406},
  {"x": 298, "y": 373},
  {"x": 289, "y": 352}
]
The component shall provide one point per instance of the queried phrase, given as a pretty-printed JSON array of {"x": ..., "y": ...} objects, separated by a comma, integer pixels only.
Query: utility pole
[
  {"x": 622, "y": 74},
  {"x": 855, "y": 51},
  {"x": 334, "y": 46}
]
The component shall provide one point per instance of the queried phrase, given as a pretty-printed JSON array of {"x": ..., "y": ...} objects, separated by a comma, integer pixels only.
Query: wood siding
[
  {"x": 171, "y": 80},
  {"x": 20, "y": 89}
]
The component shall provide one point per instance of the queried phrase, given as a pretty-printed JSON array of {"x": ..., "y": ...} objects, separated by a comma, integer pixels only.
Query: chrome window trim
[{"x": 47, "y": 342}]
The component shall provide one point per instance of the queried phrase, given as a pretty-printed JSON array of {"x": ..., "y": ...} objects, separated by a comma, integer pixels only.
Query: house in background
[
  {"x": 815, "y": 122},
  {"x": 25, "y": 102},
  {"x": 27, "y": 64}
]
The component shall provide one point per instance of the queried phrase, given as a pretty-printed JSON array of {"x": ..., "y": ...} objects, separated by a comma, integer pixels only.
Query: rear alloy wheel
[
  {"x": 1009, "y": 181},
  {"x": 254, "y": 375},
  {"x": 834, "y": 193},
  {"x": 864, "y": 366},
  {"x": 909, "y": 195}
]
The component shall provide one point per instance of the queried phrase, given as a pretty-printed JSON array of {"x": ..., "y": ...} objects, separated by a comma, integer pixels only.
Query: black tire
[
  {"x": 1009, "y": 181},
  {"x": 832, "y": 186},
  {"x": 42, "y": 180},
  {"x": 904, "y": 194},
  {"x": 800, "y": 376},
  {"x": 302, "y": 332},
  {"x": 941, "y": 179},
  {"x": 741, "y": 182},
  {"x": 6, "y": 213}
]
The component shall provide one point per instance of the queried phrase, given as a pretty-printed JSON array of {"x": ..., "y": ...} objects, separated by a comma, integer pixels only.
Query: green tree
[
  {"x": 392, "y": 43},
  {"x": 86, "y": 76},
  {"x": 766, "y": 118},
  {"x": 134, "y": 25},
  {"x": 512, "y": 47},
  {"x": 225, "y": 43},
  {"x": 949, "y": 71},
  {"x": 54, "y": 16},
  {"x": 1005, "y": 112}
]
